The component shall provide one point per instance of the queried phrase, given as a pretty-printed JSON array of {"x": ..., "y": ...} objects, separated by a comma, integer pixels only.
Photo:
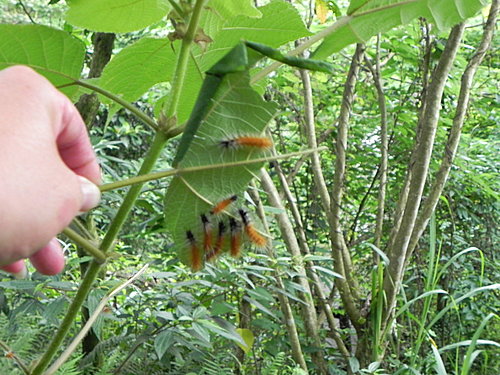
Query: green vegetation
[{"x": 381, "y": 223}]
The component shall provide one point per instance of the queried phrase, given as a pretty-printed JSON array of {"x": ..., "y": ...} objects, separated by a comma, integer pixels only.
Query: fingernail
[
  {"x": 21, "y": 274},
  {"x": 91, "y": 194}
]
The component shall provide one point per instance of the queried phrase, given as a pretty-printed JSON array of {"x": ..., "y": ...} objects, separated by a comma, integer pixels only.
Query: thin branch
[
  {"x": 172, "y": 172},
  {"x": 455, "y": 131},
  {"x": 26, "y": 12},
  {"x": 92, "y": 318},
  {"x": 418, "y": 170},
  {"x": 319, "y": 179},
  {"x": 286, "y": 308},
  {"x": 316, "y": 282},
  {"x": 11, "y": 355},
  {"x": 348, "y": 286},
  {"x": 86, "y": 245},
  {"x": 384, "y": 143}
]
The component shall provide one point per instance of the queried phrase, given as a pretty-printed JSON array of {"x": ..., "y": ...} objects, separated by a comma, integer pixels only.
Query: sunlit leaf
[
  {"x": 116, "y": 16},
  {"x": 367, "y": 18},
  {"x": 321, "y": 10},
  {"x": 248, "y": 337},
  {"x": 47, "y": 50}
]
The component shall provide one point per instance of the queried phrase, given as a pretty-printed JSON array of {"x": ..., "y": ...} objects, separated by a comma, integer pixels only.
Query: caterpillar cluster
[{"x": 218, "y": 235}]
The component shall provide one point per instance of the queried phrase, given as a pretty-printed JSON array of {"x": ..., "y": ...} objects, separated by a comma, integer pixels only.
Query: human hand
[{"x": 48, "y": 170}]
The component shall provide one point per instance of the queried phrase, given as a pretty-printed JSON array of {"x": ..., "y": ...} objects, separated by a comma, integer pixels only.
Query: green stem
[
  {"x": 129, "y": 106},
  {"x": 172, "y": 172},
  {"x": 154, "y": 152},
  {"x": 182, "y": 61},
  {"x": 129, "y": 201},
  {"x": 86, "y": 245},
  {"x": 68, "y": 320}
]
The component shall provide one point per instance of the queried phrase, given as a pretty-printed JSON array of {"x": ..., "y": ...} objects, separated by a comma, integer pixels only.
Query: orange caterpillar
[
  {"x": 255, "y": 237},
  {"x": 195, "y": 258},
  {"x": 212, "y": 254},
  {"x": 235, "y": 243},
  {"x": 207, "y": 233},
  {"x": 247, "y": 141},
  {"x": 219, "y": 207}
]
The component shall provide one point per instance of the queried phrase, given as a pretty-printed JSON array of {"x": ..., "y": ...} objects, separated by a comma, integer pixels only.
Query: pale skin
[{"x": 44, "y": 153}]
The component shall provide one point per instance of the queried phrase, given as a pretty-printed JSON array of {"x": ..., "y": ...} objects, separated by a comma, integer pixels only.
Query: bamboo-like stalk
[
  {"x": 286, "y": 308},
  {"x": 377, "y": 80},
  {"x": 455, "y": 131},
  {"x": 312, "y": 274},
  {"x": 418, "y": 168},
  {"x": 403, "y": 196},
  {"x": 348, "y": 285}
]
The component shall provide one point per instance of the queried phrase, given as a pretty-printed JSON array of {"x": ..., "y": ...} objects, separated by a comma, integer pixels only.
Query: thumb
[{"x": 91, "y": 195}]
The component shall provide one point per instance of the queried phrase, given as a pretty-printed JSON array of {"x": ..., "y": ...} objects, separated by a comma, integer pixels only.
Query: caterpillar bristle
[
  {"x": 255, "y": 237},
  {"x": 212, "y": 254},
  {"x": 222, "y": 205},
  {"x": 207, "y": 233},
  {"x": 235, "y": 241},
  {"x": 247, "y": 141},
  {"x": 195, "y": 255}
]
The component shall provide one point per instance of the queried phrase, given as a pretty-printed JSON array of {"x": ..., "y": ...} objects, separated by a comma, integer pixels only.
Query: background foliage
[{"x": 175, "y": 322}]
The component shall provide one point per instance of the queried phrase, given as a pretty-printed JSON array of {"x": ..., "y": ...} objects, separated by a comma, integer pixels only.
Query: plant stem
[
  {"x": 11, "y": 355},
  {"x": 182, "y": 61},
  {"x": 154, "y": 152},
  {"x": 125, "y": 104},
  {"x": 104, "y": 301},
  {"x": 68, "y": 320},
  {"x": 86, "y": 245},
  {"x": 172, "y": 172}
]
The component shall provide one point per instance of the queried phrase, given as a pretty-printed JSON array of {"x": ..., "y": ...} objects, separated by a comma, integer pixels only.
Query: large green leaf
[
  {"x": 366, "y": 18},
  {"x": 149, "y": 61},
  {"x": 236, "y": 110},
  {"x": 219, "y": 11},
  {"x": 280, "y": 23},
  {"x": 138, "y": 67},
  {"x": 116, "y": 16},
  {"x": 47, "y": 50}
]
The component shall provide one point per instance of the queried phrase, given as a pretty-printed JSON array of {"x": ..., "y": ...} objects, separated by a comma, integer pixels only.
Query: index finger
[{"x": 74, "y": 144}]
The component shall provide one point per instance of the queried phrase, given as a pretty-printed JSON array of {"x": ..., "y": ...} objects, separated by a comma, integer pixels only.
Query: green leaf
[
  {"x": 219, "y": 12},
  {"x": 19, "y": 284},
  {"x": 440, "y": 368},
  {"x": 236, "y": 109},
  {"x": 47, "y": 50},
  {"x": 329, "y": 272},
  {"x": 248, "y": 337},
  {"x": 309, "y": 64},
  {"x": 223, "y": 328},
  {"x": 116, "y": 16},
  {"x": 367, "y": 18},
  {"x": 201, "y": 331},
  {"x": 163, "y": 342},
  {"x": 280, "y": 23},
  {"x": 138, "y": 67},
  {"x": 260, "y": 306},
  {"x": 231, "y": 8}
]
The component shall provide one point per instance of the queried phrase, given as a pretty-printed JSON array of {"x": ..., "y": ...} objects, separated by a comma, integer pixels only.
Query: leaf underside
[
  {"x": 45, "y": 49},
  {"x": 236, "y": 110}
]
